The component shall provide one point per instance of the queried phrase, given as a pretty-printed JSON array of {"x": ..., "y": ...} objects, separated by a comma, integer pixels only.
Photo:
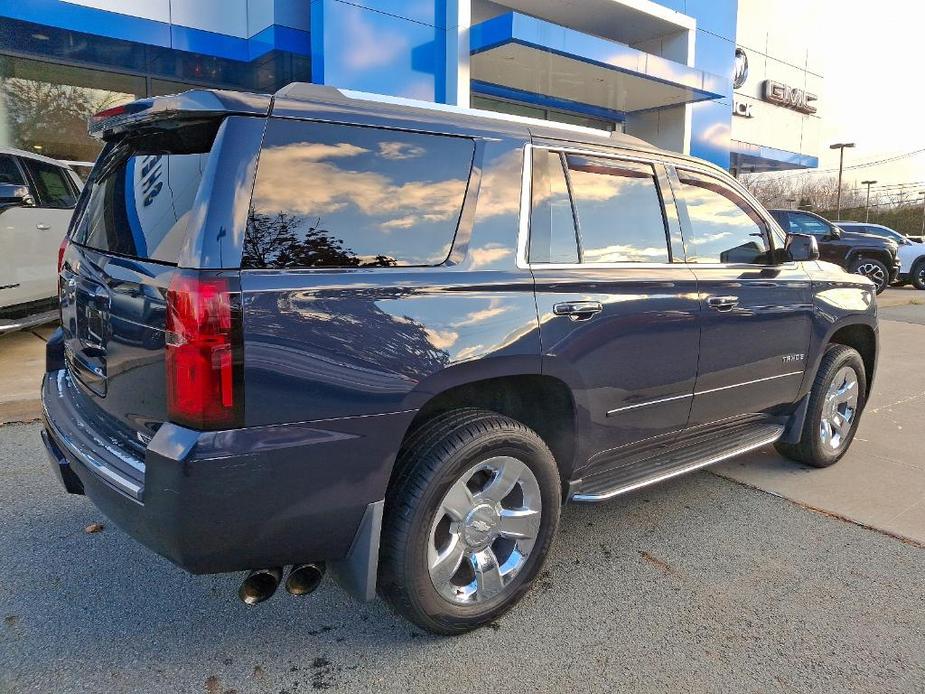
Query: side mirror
[
  {"x": 13, "y": 194},
  {"x": 802, "y": 247},
  {"x": 835, "y": 233}
]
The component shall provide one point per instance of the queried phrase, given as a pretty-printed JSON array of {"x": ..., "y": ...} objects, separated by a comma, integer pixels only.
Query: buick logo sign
[{"x": 741, "y": 69}]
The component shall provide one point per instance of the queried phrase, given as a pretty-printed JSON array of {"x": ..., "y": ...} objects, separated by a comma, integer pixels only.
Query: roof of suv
[
  {"x": 31, "y": 155},
  {"x": 309, "y": 94}
]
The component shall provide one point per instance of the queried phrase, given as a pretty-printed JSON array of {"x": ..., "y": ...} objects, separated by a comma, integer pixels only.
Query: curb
[{"x": 20, "y": 411}]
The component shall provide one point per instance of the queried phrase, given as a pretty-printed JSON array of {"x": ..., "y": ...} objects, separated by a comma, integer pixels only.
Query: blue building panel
[
  {"x": 518, "y": 28},
  {"x": 716, "y": 16},
  {"x": 711, "y": 125},
  {"x": 394, "y": 47},
  {"x": 356, "y": 47},
  {"x": 716, "y": 57}
]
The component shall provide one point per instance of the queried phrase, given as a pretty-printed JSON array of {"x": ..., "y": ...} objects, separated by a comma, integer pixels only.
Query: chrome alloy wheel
[
  {"x": 873, "y": 272},
  {"x": 484, "y": 530},
  {"x": 839, "y": 408}
]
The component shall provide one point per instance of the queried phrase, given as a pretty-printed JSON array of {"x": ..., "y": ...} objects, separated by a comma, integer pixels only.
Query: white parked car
[
  {"x": 911, "y": 253},
  {"x": 37, "y": 198}
]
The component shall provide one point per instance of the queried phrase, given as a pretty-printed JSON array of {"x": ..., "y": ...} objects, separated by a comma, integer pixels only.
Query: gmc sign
[{"x": 789, "y": 97}]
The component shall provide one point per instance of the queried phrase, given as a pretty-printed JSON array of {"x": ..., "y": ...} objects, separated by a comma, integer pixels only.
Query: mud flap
[{"x": 356, "y": 573}]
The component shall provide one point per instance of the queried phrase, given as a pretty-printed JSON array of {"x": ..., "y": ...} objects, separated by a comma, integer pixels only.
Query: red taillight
[
  {"x": 61, "y": 250},
  {"x": 203, "y": 359},
  {"x": 110, "y": 112}
]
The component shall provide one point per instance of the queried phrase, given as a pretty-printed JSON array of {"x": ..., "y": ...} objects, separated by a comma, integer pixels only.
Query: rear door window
[
  {"x": 552, "y": 224},
  {"x": 335, "y": 196},
  {"x": 53, "y": 186},
  {"x": 619, "y": 211}
]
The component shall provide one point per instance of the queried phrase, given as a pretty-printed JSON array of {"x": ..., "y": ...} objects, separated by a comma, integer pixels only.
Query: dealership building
[{"x": 736, "y": 82}]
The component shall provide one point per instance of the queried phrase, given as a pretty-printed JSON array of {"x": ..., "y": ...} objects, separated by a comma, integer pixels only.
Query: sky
[{"x": 874, "y": 72}]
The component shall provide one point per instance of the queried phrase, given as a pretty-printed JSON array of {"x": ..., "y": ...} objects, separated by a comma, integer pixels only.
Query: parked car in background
[
  {"x": 81, "y": 168},
  {"x": 392, "y": 338},
  {"x": 37, "y": 198},
  {"x": 874, "y": 257},
  {"x": 911, "y": 253}
]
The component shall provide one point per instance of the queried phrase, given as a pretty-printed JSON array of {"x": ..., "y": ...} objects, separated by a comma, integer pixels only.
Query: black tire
[
  {"x": 873, "y": 270},
  {"x": 917, "y": 276},
  {"x": 433, "y": 459},
  {"x": 811, "y": 449}
]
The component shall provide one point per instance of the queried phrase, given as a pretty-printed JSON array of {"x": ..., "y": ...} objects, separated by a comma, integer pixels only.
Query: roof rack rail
[{"x": 462, "y": 110}]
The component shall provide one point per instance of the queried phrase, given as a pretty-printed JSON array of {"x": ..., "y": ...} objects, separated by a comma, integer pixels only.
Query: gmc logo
[{"x": 789, "y": 97}]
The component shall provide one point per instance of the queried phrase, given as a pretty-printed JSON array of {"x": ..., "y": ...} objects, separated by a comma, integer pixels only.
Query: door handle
[
  {"x": 722, "y": 303},
  {"x": 43, "y": 227},
  {"x": 578, "y": 310}
]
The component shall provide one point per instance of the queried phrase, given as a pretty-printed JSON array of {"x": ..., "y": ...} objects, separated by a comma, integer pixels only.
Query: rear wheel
[
  {"x": 469, "y": 519},
  {"x": 874, "y": 270},
  {"x": 835, "y": 405},
  {"x": 918, "y": 275}
]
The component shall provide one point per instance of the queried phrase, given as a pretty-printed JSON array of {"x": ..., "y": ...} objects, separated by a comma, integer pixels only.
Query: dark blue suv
[{"x": 318, "y": 329}]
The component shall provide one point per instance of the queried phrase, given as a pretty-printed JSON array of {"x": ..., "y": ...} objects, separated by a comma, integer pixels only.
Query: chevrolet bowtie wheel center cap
[{"x": 480, "y": 526}]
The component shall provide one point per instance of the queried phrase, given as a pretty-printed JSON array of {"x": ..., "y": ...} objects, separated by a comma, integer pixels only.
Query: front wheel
[
  {"x": 918, "y": 275},
  {"x": 835, "y": 405},
  {"x": 469, "y": 518},
  {"x": 873, "y": 270}
]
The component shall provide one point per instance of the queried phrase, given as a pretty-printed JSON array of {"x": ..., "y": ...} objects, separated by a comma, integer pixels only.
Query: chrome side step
[
  {"x": 8, "y": 325},
  {"x": 617, "y": 480}
]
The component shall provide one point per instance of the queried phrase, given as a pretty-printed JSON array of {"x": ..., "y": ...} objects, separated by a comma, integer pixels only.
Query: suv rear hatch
[{"x": 141, "y": 336}]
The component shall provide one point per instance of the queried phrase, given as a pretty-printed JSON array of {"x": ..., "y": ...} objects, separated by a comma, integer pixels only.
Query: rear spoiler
[{"x": 195, "y": 104}]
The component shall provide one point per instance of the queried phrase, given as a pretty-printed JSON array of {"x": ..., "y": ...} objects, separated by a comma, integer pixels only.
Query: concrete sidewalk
[{"x": 881, "y": 480}]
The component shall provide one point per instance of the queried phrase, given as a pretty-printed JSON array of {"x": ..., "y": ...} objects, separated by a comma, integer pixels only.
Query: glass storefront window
[
  {"x": 44, "y": 107},
  {"x": 515, "y": 108}
]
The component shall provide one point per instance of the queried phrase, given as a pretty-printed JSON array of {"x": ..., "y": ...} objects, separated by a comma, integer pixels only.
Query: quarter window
[
  {"x": 619, "y": 211},
  {"x": 348, "y": 196},
  {"x": 9, "y": 172},
  {"x": 723, "y": 227}
]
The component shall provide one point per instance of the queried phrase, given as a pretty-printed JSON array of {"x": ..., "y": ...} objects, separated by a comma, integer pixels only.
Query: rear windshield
[{"x": 139, "y": 200}]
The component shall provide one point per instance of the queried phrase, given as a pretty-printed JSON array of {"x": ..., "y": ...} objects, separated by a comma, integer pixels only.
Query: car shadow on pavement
[{"x": 698, "y": 565}]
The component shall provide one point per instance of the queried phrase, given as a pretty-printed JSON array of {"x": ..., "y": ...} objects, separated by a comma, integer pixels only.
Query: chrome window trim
[
  {"x": 708, "y": 391},
  {"x": 526, "y": 202},
  {"x": 759, "y": 209}
]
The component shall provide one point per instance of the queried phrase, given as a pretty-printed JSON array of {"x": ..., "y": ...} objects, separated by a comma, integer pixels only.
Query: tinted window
[
  {"x": 802, "y": 223},
  {"x": 52, "y": 183},
  {"x": 724, "y": 228},
  {"x": 142, "y": 206},
  {"x": 619, "y": 211},
  {"x": 874, "y": 231},
  {"x": 552, "y": 226},
  {"x": 346, "y": 196},
  {"x": 9, "y": 172}
]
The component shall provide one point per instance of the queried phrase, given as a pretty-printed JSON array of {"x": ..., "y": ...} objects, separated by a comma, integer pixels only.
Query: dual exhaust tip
[{"x": 260, "y": 584}]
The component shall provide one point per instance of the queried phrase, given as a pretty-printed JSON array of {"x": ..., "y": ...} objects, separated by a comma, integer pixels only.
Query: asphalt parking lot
[{"x": 705, "y": 583}]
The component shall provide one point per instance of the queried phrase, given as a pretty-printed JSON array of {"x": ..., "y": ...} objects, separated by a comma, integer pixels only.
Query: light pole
[
  {"x": 841, "y": 161},
  {"x": 923, "y": 211},
  {"x": 868, "y": 184}
]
